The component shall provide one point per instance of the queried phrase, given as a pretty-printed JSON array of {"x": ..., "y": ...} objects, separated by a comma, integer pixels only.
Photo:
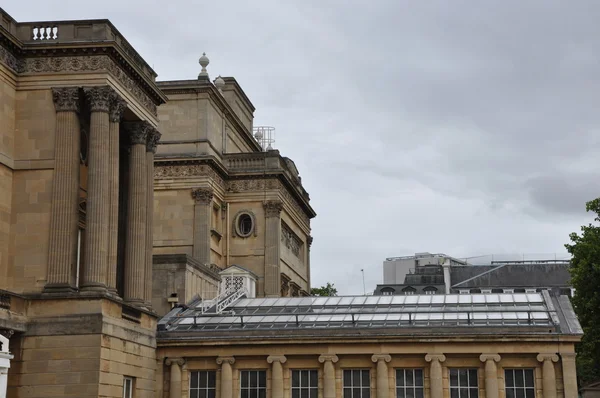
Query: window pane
[
  {"x": 365, "y": 379},
  {"x": 201, "y": 393},
  {"x": 519, "y": 380},
  {"x": 462, "y": 377},
  {"x": 530, "y": 393},
  {"x": 262, "y": 393},
  {"x": 464, "y": 392},
  {"x": 201, "y": 379},
  {"x": 245, "y": 382},
  {"x": 454, "y": 377},
  {"x": 419, "y": 377},
  {"x": 304, "y": 393},
  {"x": 355, "y": 378},
  {"x": 472, "y": 378},
  {"x": 510, "y": 393},
  {"x": 194, "y": 393},
  {"x": 314, "y": 379},
  {"x": 520, "y": 393},
  {"x": 212, "y": 379},
  {"x": 194, "y": 380},
  {"x": 509, "y": 376},
  {"x": 410, "y": 393},
  {"x": 366, "y": 393},
  {"x": 210, "y": 393},
  {"x": 314, "y": 392},
  {"x": 454, "y": 393},
  {"x": 347, "y": 378},
  {"x": 418, "y": 393},
  {"x": 295, "y": 378},
  {"x": 529, "y": 378},
  {"x": 295, "y": 393},
  {"x": 304, "y": 378},
  {"x": 409, "y": 378},
  {"x": 400, "y": 393},
  {"x": 400, "y": 378},
  {"x": 244, "y": 393},
  {"x": 253, "y": 379},
  {"x": 347, "y": 393},
  {"x": 474, "y": 393}
]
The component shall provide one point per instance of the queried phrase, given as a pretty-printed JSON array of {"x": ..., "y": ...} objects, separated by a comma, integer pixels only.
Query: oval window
[{"x": 245, "y": 225}]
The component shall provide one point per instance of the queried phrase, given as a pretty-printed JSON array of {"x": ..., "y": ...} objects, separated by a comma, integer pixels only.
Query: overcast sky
[{"x": 463, "y": 127}]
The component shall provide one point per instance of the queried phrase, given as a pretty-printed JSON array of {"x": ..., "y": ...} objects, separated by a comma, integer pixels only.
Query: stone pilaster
[
  {"x": 175, "y": 386},
  {"x": 383, "y": 385},
  {"x": 117, "y": 107},
  {"x": 226, "y": 376},
  {"x": 62, "y": 256},
  {"x": 277, "y": 362},
  {"x": 95, "y": 270},
  {"x": 328, "y": 361},
  {"x": 309, "y": 241},
  {"x": 137, "y": 202},
  {"x": 491, "y": 374},
  {"x": 151, "y": 143},
  {"x": 548, "y": 374},
  {"x": 202, "y": 217},
  {"x": 436, "y": 384},
  {"x": 569, "y": 374},
  {"x": 272, "y": 242}
]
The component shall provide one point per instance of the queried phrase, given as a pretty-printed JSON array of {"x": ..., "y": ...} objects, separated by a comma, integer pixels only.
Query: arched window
[
  {"x": 388, "y": 291},
  {"x": 430, "y": 290},
  {"x": 409, "y": 290}
]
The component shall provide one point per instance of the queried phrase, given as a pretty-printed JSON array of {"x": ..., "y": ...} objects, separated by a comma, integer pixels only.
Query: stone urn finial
[{"x": 203, "y": 61}]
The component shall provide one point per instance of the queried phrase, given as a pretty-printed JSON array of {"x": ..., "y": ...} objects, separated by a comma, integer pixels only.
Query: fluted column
[
  {"x": 202, "y": 218},
  {"x": 95, "y": 270},
  {"x": 137, "y": 202},
  {"x": 117, "y": 106},
  {"x": 436, "y": 384},
  {"x": 569, "y": 374},
  {"x": 62, "y": 256},
  {"x": 491, "y": 374},
  {"x": 175, "y": 383},
  {"x": 383, "y": 385},
  {"x": 328, "y": 362},
  {"x": 276, "y": 375},
  {"x": 151, "y": 143},
  {"x": 272, "y": 243},
  {"x": 226, "y": 376},
  {"x": 548, "y": 374}
]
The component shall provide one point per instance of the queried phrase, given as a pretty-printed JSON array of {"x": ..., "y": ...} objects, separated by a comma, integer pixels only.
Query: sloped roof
[{"x": 511, "y": 275}]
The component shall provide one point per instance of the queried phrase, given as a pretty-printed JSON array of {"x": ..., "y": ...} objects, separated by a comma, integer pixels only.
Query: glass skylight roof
[{"x": 372, "y": 311}]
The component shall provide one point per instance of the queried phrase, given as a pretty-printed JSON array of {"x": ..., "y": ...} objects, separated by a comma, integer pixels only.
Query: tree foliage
[
  {"x": 328, "y": 290},
  {"x": 585, "y": 278}
]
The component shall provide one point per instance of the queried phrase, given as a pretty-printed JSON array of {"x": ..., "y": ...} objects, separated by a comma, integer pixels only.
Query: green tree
[
  {"x": 585, "y": 278},
  {"x": 326, "y": 291}
]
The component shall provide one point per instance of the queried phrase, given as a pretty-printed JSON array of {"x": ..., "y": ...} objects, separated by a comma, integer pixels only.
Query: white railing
[{"x": 223, "y": 300}]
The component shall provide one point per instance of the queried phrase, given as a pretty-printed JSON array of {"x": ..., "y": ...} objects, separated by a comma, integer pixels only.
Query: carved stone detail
[
  {"x": 309, "y": 241},
  {"x": 152, "y": 140},
  {"x": 117, "y": 107},
  {"x": 328, "y": 357},
  {"x": 99, "y": 97},
  {"x": 435, "y": 357},
  {"x": 178, "y": 361},
  {"x": 381, "y": 357},
  {"x": 276, "y": 358},
  {"x": 221, "y": 360},
  {"x": 138, "y": 132},
  {"x": 489, "y": 357},
  {"x": 88, "y": 64},
  {"x": 66, "y": 99},
  {"x": 202, "y": 196},
  {"x": 8, "y": 59},
  {"x": 290, "y": 240},
  {"x": 273, "y": 208},
  {"x": 187, "y": 170},
  {"x": 547, "y": 357}
]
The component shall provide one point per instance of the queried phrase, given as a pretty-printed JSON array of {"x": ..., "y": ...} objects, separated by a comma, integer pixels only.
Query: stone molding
[
  {"x": 117, "y": 107},
  {"x": 489, "y": 357},
  {"x": 137, "y": 131},
  {"x": 99, "y": 98},
  {"x": 177, "y": 361},
  {"x": 66, "y": 99},
  {"x": 235, "y": 232},
  {"x": 309, "y": 241},
  {"x": 435, "y": 357},
  {"x": 328, "y": 357},
  {"x": 276, "y": 358},
  {"x": 202, "y": 196},
  {"x": 8, "y": 59},
  {"x": 547, "y": 357},
  {"x": 229, "y": 360},
  {"x": 187, "y": 170},
  {"x": 152, "y": 140},
  {"x": 381, "y": 357},
  {"x": 568, "y": 356},
  {"x": 273, "y": 208}
]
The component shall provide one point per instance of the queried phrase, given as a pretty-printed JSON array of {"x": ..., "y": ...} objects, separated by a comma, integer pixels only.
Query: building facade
[{"x": 395, "y": 269}]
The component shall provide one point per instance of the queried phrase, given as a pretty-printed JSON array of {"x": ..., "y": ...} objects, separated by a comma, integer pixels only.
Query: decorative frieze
[
  {"x": 99, "y": 98},
  {"x": 187, "y": 170},
  {"x": 290, "y": 240},
  {"x": 66, "y": 99},
  {"x": 8, "y": 59}
]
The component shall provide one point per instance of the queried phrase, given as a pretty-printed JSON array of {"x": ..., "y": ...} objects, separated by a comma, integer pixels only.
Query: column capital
[
  {"x": 138, "y": 132},
  {"x": 222, "y": 360},
  {"x": 328, "y": 357},
  {"x": 152, "y": 139},
  {"x": 547, "y": 357},
  {"x": 489, "y": 357},
  {"x": 99, "y": 98},
  {"x": 202, "y": 196},
  {"x": 117, "y": 107},
  {"x": 276, "y": 358},
  {"x": 66, "y": 99},
  {"x": 381, "y": 357},
  {"x": 273, "y": 208},
  {"x": 174, "y": 361},
  {"x": 435, "y": 357}
]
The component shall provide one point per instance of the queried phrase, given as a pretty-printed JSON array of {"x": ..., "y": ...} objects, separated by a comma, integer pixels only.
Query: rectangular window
[
  {"x": 127, "y": 387},
  {"x": 409, "y": 383},
  {"x": 519, "y": 383},
  {"x": 305, "y": 384},
  {"x": 357, "y": 383},
  {"x": 463, "y": 383},
  {"x": 203, "y": 384},
  {"x": 253, "y": 384}
]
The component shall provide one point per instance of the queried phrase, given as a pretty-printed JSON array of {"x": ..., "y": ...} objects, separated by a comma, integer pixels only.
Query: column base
[
  {"x": 61, "y": 288},
  {"x": 93, "y": 287}
]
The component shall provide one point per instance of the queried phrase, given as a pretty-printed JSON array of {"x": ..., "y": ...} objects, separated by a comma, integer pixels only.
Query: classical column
[
  {"x": 569, "y": 374},
  {"x": 137, "y": 202},
  {"x": 491, "y": 374},
  {"x": 151, "y": 143},
  {"x": 548, "y": 374},
  {"x": 272, "y": 242},
  {"x": 62, "y": 256},
  {"x": 276, "y": 375},
  {"x": 226, "y": 376},
  {"x": 202, "y": 218},
  {"x": 435, "y": 375},
  {"x": 175, "y": 383},
  {"x": 95, "y": 270},
  {"x": 117, "y": 106},
  {"x": 328, "y": 375},
  {"x": 383, "y": 385}
]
